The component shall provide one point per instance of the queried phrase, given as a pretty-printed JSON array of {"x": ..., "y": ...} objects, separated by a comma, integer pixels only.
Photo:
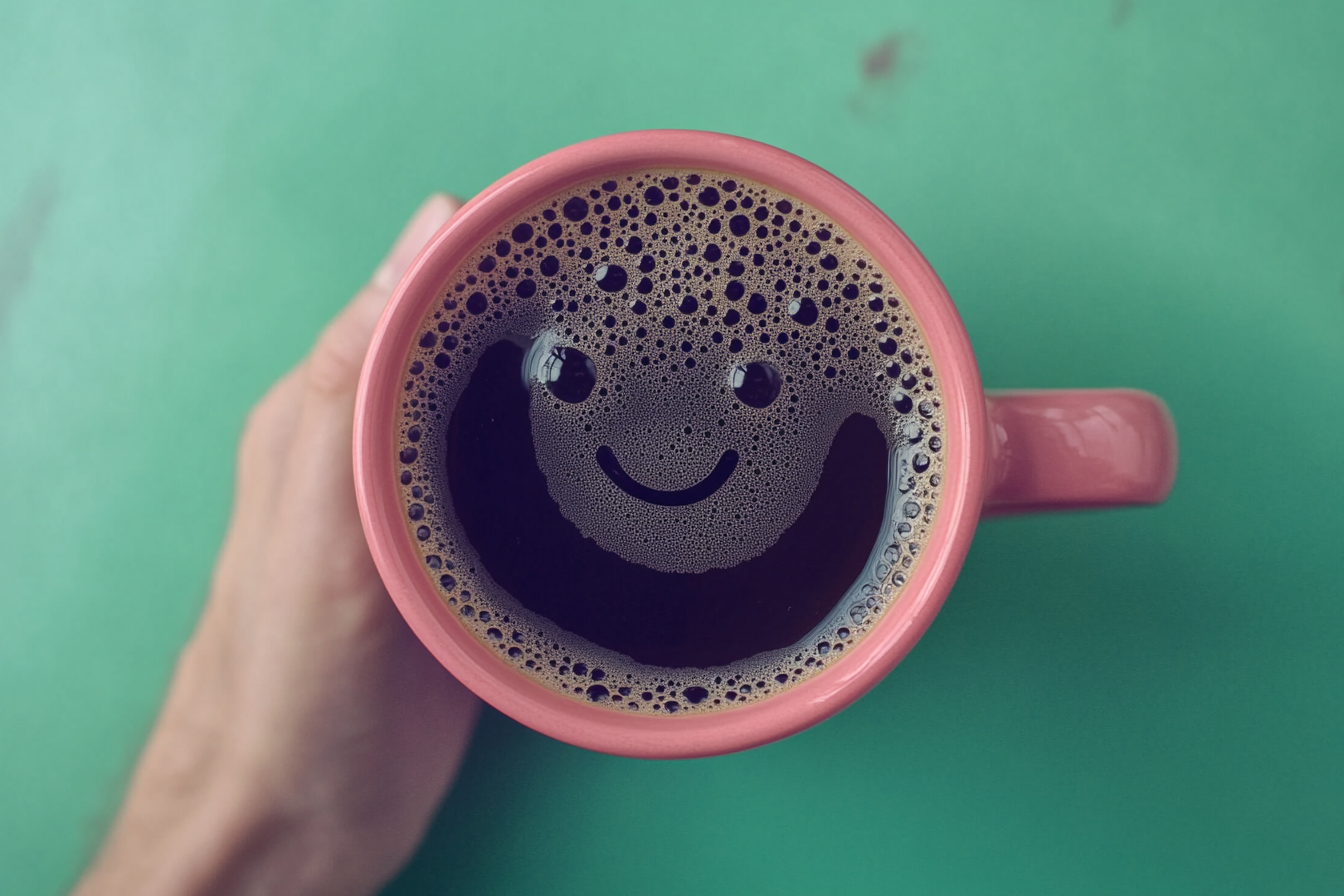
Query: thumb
[
  {"x": 426, "y": 221},
  {"x": 335, "y": 361}
]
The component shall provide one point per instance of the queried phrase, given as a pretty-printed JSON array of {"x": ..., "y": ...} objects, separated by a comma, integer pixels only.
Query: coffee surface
[{"x": 670, "y": 441}]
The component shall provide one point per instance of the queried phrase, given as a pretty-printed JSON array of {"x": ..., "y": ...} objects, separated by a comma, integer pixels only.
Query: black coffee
[{"x": 670, "y": 442}]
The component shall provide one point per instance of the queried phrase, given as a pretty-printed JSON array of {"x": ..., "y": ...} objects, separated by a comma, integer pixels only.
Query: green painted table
[{"x": 1140, "y": 701}]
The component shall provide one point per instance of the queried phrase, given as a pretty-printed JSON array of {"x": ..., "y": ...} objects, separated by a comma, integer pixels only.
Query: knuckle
[
  {"x": 264, "y": 424},
  {"x": 333, "y": 366},
  {"x": 252, "y": 446},
  {"x": 260, "y": 416}
]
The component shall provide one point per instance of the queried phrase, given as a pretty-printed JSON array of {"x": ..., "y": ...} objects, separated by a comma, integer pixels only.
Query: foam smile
[
  {"x": 606, "y": 459},
  {"x": 539, "y": 557}
]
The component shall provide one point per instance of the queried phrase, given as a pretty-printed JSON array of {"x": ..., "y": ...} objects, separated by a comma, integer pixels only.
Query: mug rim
[{"x": 696, "y": 734}]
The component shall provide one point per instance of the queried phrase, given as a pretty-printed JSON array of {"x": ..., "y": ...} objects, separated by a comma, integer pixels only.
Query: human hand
[{"x": 307, "y": 736}]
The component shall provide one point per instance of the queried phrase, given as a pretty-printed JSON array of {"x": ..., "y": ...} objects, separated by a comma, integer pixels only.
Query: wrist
[
  {"x": 201, "y": 818},
  {"x": 225, "y": 838},
  {"x": 176, "y": 842}
]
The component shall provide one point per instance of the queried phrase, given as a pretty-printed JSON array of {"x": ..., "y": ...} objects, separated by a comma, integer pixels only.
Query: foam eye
[
  {"x": 569, "y": 374},
  {"x": 803, "y": 311},
  {"x": 610, "y": 277},
  {"x": 756, "y": 384}
]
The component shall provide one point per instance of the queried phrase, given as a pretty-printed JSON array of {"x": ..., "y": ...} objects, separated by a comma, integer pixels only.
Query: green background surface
[{"x": 1116, "y": 192}]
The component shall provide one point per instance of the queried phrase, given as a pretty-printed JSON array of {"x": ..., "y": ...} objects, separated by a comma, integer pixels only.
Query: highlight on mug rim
[{"x": 806, "y": 702}]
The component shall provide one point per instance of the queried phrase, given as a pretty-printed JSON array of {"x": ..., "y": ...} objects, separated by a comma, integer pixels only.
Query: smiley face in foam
[{"x": 670, "y": 442}]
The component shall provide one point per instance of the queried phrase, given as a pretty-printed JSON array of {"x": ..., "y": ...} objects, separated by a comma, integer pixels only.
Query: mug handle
[{"x": 1071, "y": 449}]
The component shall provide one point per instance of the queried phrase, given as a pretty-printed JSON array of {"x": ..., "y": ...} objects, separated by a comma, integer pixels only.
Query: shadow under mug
[{"x": 1006, "y": 452}]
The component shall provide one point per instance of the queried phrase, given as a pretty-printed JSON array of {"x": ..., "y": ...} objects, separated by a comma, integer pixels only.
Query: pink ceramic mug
[{"x": 1005, "y": 453}]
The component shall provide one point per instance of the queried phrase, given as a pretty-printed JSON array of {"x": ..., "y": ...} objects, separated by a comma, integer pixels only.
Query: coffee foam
[{"x": 671, "y": 282}]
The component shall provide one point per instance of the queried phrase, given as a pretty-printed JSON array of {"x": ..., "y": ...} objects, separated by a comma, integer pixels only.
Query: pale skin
[{"x": 307, "y": 737}]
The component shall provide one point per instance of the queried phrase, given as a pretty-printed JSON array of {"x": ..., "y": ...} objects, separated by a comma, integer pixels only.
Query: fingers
[
  {"x": 261, "y": 462},
  {"x": 317, "y": 480},
  {"x": 332, "y": 371},
  {"x": 270, "y": 426},
  {"x": 266, "y": 437},
  {"x": 333, "y": 366}
]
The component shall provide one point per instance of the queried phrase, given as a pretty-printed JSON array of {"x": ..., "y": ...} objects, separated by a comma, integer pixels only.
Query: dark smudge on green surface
[{"x": 20, "y": 237}]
